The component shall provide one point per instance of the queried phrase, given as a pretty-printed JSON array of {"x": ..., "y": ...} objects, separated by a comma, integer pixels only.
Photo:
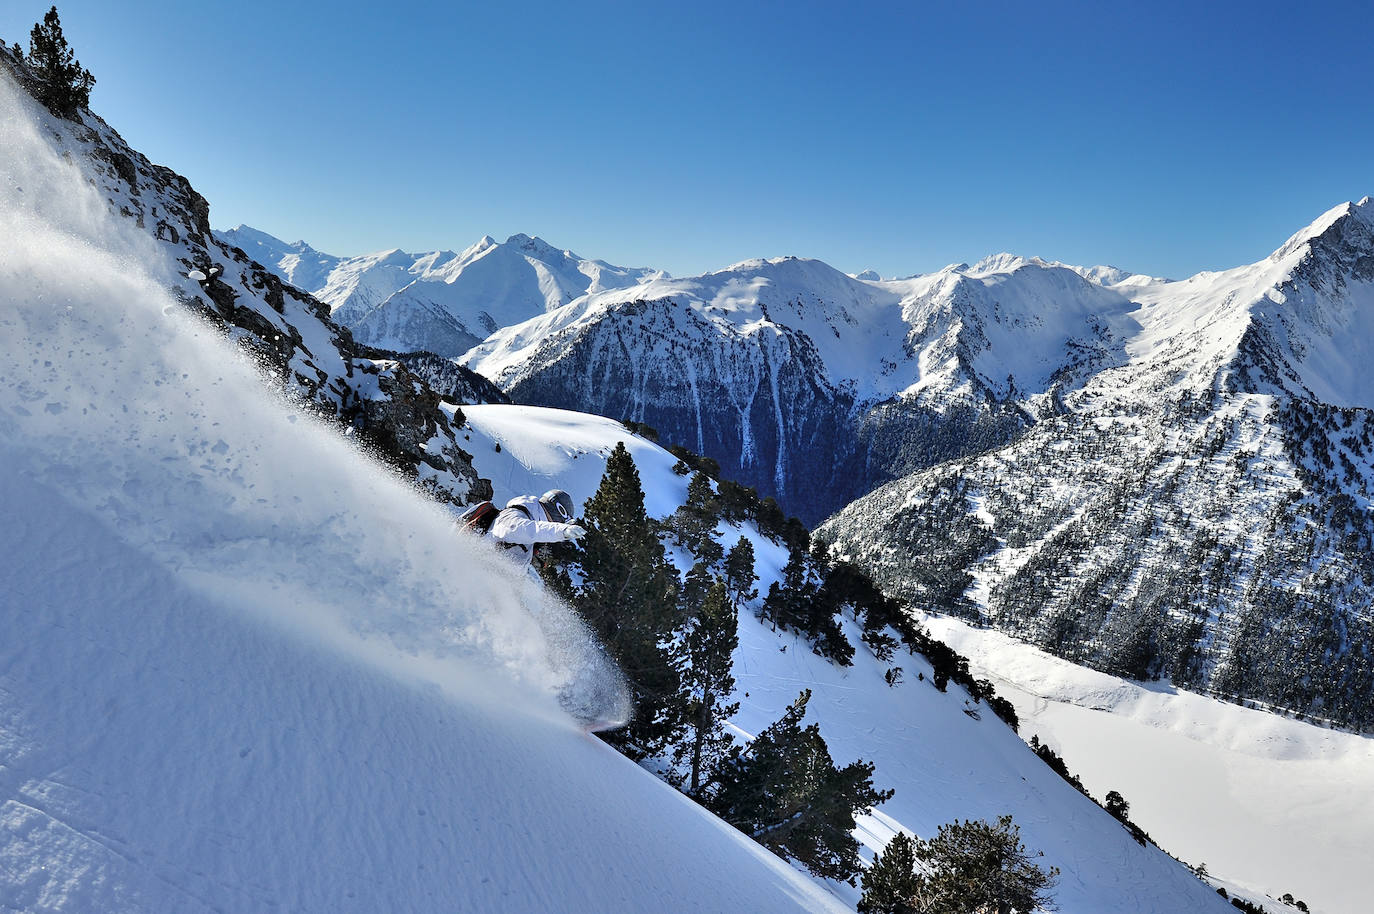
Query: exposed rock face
[
  {"x": 450, "y": 380},
  {"x": 290, "y": 334}
]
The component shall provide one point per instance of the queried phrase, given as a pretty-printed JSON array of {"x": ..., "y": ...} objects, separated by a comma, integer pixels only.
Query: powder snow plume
[{"x": 158, "y": 429}]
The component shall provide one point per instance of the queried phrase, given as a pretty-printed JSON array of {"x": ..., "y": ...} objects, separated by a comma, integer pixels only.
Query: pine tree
[
  {"x": 695, "y": 522},
  {"x": 739, "y": 573},
  {"x": 711, "y": 643},
  {"x": 1117, "y": 806},
  {"x": 788, "y": 601},
  {"x": 785, "y": 792},
  {"x": 64, "y": 86},
  {"x": 695, "y": 586},
  {"x": 629, "y": 597},
  {"x": 975, "y": 867},
  {"x": 890, "y": 884}
]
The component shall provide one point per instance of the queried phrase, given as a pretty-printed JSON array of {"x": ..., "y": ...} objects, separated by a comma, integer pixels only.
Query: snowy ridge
[{"x": 439, "y": 301}]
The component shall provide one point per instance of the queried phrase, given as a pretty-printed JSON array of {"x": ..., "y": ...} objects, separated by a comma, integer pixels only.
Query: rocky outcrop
[{"x": 301, "y": 352}]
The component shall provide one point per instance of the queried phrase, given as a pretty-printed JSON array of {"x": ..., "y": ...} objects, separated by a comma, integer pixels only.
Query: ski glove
[{"x": 572, "y": 533}]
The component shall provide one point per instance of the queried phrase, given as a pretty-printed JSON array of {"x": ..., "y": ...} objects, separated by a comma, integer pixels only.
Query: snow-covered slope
[
  {"x": 246, "y": 669},
  {"x": 943, "y": 763},
  {"x": 439, "y": 301}
]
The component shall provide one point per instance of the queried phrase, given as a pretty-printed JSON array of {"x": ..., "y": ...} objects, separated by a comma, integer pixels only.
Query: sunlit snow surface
[
  {"x": 1270, "y": 803},
  {"x": 243, "y": 669}
]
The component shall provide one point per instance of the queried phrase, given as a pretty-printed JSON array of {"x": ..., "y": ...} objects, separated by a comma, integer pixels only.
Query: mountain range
[
  {"x": 438, "y": 301},
  {"x": 1157, "y": 478},
  {"x": 1198, "y": 509}
]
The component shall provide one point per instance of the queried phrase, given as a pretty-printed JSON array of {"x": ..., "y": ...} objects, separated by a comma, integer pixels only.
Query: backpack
[{"x": 479, "y": 518}]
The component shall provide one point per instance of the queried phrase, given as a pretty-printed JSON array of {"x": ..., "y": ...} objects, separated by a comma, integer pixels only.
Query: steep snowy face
[
  {"x": 439, "y": 301},
  {"x": 1010, "y": 329},
  {"x": 1315, "y": 333},
  {"x": 245, "y": 668},
  {"x": 1295, "y": 322},
  {"x": 1199, "y": 510}
]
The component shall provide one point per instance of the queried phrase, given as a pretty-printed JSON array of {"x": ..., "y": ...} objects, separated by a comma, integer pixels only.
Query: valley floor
[{"x": 1270, "y": 804}]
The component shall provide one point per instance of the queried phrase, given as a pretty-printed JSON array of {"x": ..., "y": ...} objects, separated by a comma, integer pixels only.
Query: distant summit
[{"x": 438, "y": 301}]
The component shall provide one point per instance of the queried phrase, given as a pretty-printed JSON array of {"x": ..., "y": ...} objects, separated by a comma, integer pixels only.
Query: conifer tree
[
  {"x": 695, "y": 586},
  {"x": 711, "y": 643},
  {"x": 788, "y": 600},
  {"x": 739, "y": 573},
  {"x": 890, "y": 884},
  {"x": 629, "y": 596},
  {"x": 695, "y": 521},
  {"x": 975, "y": 867},
  {"x": 786, "y": 793},
  {"x": 1117, "y": 806},
  {"x": 820, "y": 556},
  {"x": 64, "y": 86}
]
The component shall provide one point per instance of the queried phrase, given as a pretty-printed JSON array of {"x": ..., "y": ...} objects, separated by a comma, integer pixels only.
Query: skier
[{"x": 528, "y": 521}]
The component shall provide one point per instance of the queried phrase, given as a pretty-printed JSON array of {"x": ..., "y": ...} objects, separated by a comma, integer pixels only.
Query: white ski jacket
[{"x": 522, "y": 524}]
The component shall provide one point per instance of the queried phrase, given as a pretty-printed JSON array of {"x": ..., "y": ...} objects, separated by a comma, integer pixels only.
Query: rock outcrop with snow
[{"x": 305, "y": 354}]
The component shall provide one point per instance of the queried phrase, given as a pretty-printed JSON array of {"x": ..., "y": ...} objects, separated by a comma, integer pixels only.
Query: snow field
[{"x": 1270, "y": 804}]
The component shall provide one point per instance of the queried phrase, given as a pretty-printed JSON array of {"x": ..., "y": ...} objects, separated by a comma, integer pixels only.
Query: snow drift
[{"x": 245, "y": 669}]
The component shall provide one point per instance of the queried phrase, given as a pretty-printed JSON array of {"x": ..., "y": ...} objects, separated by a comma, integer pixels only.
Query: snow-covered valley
[{"x": 1267, "y": 802}]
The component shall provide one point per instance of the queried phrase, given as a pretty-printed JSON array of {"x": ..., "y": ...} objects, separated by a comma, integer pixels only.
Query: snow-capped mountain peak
[
  {"x": 439, "y": 301},
  {"x": 1335, "y": 218},
  {"x": 1001, "y": 263}
]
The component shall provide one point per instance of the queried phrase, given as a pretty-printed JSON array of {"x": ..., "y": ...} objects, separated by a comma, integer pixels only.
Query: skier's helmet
[{"x": 558, "y": 505}]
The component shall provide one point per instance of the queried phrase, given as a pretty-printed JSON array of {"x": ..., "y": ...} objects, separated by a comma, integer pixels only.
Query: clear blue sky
[{"x": 1164, "y": 137}]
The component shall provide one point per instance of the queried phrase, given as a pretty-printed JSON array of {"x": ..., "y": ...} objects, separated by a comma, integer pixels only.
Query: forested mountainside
[
  {"x": 1200, "y": 511},
  {"x": 289, "y": 333}
]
